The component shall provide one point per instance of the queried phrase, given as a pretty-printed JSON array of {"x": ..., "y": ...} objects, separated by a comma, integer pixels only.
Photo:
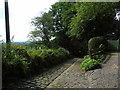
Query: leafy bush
[
  {"x": 99, "y": 57},
  {"x": 97, "y": 45},
  {"x": 20, "y": 62},
  {"x": 14, "y": 61},
  {"x": 63, "y": 54},
  {"x": 53, "y": 56},
  {"x": 88, "y": 64},
  {"x": 34, "y": 52},
  {"x": 63, "y": 51},
  {"x": 19, "y": 50},
  {"x": 86, "y": 57},
  {"x": 46, "y": 57},
  {"x": 35, "y": 60},
  {"x": 14, "y": 67}
]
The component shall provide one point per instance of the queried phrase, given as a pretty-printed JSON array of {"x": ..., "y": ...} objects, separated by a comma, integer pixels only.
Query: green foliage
[
  {"x": 88, "y": 64},
  {"x": 62, "y": 13},
  {"x": 63, "y": 51},
  {"x": 86, "y": 57},
  {"x": 19, "y": 51},
  {"x": 17, "y": 68},
  {"x": 15, "y": 61},
  {"x": 34, "y": 52},
  {"x": 47, "y": 57},
  {"x": 44, "y": 30},
  {"x": 97, "y": 45},
  {"x": 96, "y": 42},
  {"x": 73, "y": 24},
  {"x": 92, "y": 19},
  {"x": 17, "y": 64},
  {"x": 35, "y": 60},
  {"x": 99, "y": 57}
]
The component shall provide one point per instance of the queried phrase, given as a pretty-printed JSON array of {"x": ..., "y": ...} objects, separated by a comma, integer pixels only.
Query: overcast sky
[{"x": 20, "y": 13}]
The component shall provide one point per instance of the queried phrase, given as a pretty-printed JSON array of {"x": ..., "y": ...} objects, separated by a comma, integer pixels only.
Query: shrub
[
  {"x": 48, "y": 57},
  {"x": 89, "y": 64},
  {"x": 14, "y": 68},
  {"x": 99, "y": 57},
  {"x": 20, "y": 62},
  {"x": 63, "y": 53},
  {"x": 95, "y": 42},
  {"x": 34, "y": 52},
  {"x": 14, "y": 62},
  {"x": 36, "y": 62},
  {"x": 97, "y": 45},
  {"x": 86, "y": 57},
  {"x": 19, "y": 50}
]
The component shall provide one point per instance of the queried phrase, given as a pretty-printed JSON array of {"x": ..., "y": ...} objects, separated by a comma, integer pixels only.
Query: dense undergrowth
[{"x": 18, "y": 62}]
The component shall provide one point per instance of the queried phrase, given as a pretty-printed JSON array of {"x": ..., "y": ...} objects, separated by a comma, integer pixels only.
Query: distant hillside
[{"x": 20, "y": 42}]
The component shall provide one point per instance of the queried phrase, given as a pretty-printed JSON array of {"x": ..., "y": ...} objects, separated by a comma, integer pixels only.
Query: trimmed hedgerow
[
  {"x": 96, "y": 45},
  {"x": 95, "y": 42}
]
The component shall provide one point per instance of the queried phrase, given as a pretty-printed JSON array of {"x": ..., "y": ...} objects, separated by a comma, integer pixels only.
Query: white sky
[{"x": 20, "y": 13}]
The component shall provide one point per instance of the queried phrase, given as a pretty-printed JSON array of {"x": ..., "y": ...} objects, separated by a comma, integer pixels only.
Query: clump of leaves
[
  {"x": 99, "y": 57},
  {"x": 89, "y": 64},
  {"x": 86, "y": 57}
]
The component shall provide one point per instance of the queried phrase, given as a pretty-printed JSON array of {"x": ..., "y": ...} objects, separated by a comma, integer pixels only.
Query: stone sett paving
[
  {"x": 45, "y": 78},
  {"x": 105, "y": 77},
  {"x": 69, "y": 75}
]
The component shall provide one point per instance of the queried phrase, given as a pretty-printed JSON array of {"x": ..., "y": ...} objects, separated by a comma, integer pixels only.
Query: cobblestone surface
[
  {"x": 73, "y": 77},
  {"x": 105, "y": 77},
  {"x": 44, "y": 79},
  {"x": 69, "y": 75}
]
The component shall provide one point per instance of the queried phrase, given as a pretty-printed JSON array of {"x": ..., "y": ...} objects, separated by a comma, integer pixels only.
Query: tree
[
  {"x": 43, "y": 29},
  {"x": 93, "y": 19},
  {"x": 62, "y": 14},
  {"x": 73, "y": 24}
]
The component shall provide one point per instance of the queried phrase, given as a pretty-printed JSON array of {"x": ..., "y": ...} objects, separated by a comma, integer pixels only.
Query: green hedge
[
  {"x": 49, "y": 57},
  {"x": 97, "y": 45},
  {"x": 94, "y": 42},
  {"x": 20, "y": 62}
]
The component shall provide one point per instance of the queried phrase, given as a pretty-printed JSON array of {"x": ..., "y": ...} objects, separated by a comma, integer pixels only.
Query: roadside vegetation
[
  {"x": 97, "y": 47},
  {"x": 21, "y": 63},
  {"x": 66, "y": 30}
]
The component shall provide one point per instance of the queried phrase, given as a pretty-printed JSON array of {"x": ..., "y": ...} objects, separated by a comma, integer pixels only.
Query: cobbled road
[
  {"x": 69, "y": 75},
  {"x": 105, "y": 77},
  {"x": 44, "y": 79}
]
